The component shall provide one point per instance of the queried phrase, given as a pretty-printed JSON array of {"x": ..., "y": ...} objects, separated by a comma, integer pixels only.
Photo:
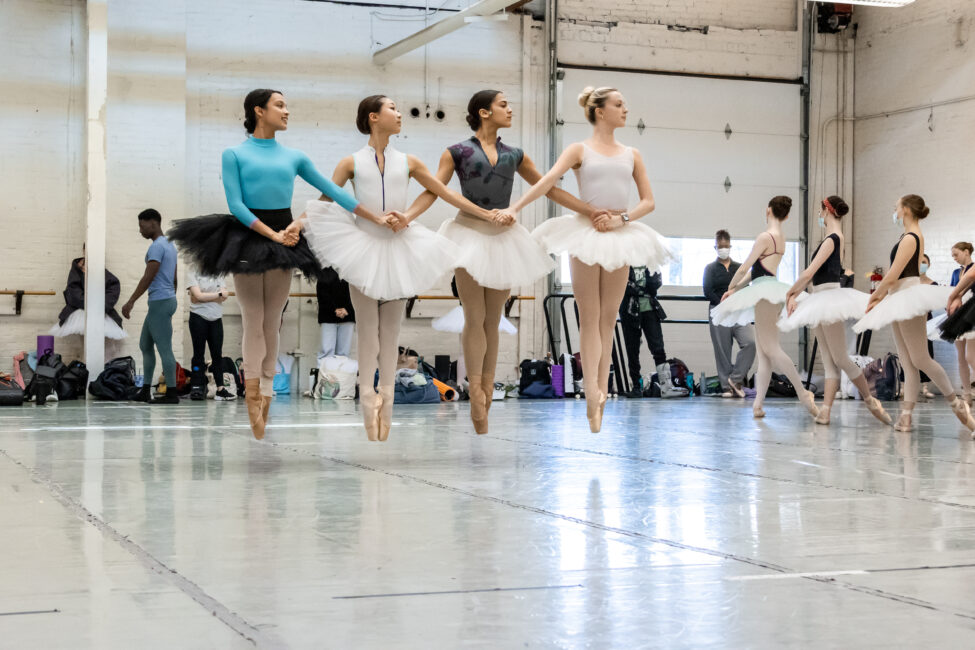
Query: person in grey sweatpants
[{"x": 717, "y": 276}]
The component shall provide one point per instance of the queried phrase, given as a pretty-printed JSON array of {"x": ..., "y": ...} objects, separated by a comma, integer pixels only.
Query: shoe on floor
[
  {"x": 142, "y": 395},
  {"x": 169, "y": 397},
  {"x": 197, "y": 394},
  {"x": 634, "y": 394},
  {"x": 223, "y": 395}
]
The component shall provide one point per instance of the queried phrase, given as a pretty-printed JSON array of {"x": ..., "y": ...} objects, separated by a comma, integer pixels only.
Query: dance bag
[
  {"x": 534, "y": 370},
  {"x": 10, "y": 393}
]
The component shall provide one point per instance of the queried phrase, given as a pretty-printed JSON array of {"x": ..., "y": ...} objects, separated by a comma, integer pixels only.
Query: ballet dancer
[
  {"x": 258, "y": 242},
  {"x": 965, "y": 343},
  {"x": 386, "y": 261},
  {"x": 902, "y": 302},
  {"x": 601, "y": 247},
  {"x": 494, "y": 256},
  {"x": 827, "y": 307},
  {"x": 762, "y": 301}
]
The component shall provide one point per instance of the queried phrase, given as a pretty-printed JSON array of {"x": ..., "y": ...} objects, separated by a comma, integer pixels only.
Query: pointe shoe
[
  {"x": 369, "y": 402},
  {"x": 758, "y": 412},
  {"x": 487, "y": 385},
  {"x": 823, "y": 417},
  {"x": 252, "y": 397},
  {"x": 386, "y": 396},
  {"x": 809, "y": 401},
  {"x": 963, "y": 413},
  {"x": 904, "y": 421},
  {"x": 594, "y": 411},
  {"x": 877, "y": 409},
  {"x": 478, "y": 404}
]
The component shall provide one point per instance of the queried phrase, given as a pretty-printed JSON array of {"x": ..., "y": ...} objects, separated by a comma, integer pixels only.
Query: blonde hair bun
[{"x": 585, "y": 95}]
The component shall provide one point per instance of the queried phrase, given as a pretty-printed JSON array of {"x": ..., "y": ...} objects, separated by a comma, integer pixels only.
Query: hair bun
[
  {"x": 585, "y": 95},
  {"x": 925, "y": 212}
]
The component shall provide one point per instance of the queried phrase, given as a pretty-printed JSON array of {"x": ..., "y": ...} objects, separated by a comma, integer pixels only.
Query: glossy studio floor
[{"x": 683, "y": 524}]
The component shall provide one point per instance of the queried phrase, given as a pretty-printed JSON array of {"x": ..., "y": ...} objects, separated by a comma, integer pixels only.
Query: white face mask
[
  {"x": 897, "y": 220},
  {"x": 724, "y": 253},
  {"x": 923, "y": 268},
  {"x": 822, "y": 222}
]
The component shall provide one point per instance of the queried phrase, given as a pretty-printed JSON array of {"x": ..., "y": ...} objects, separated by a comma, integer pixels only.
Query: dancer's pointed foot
[
  {"x": 809, "y": 401},
  {"x": 594, "y": 411},
  {"x": 385, "y": 411},
  {"x": 963, "y": 412},
  {"x": 823, "y": 417},
  {"x": 252, "y": 397},
  {"x": 904, "y": 421},
  {"x": 758, "y": 412},
  {"x": 487, "y": 384},
  {"x": 877, "y": 409},
  {"x": 369, "y": 402},
  {"x": 478, "y": 403}
]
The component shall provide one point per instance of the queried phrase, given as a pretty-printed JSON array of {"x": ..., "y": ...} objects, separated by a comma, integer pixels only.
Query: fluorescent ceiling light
[{"x": 870, "y": 3}]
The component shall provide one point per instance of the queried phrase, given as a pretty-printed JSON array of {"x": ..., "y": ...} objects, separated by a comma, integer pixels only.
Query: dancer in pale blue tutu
[
  {"x": 758, "y": 296},
  {"x": 826, "y": 308}
]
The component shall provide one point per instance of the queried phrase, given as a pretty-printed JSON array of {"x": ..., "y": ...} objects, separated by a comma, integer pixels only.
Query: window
[{"x": 692, "y": 255}]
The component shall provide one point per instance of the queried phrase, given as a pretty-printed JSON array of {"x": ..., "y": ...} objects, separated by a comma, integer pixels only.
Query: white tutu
[
  {"x": 908, "y": 299},
  {"x": 824, "y": 306},
  {"x": 453, "y": 321},
  {"x": 739, "y": 307},
  {"x": 75, "y": 324},
  {"x": 382, "y": 264},
  {"x": 635, "y": 244},
  {"x": 498, "y": 257},
  {"x": 934, "y": 329}
]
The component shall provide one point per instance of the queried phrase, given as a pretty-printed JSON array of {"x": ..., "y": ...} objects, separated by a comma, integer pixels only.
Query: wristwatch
[{"x": 626, "y": 218}]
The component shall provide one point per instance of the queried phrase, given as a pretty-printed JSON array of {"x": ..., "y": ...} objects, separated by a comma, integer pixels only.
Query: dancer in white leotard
[
  {"x": 386, "y": 262},
  {"x": 602, "y": 248}
]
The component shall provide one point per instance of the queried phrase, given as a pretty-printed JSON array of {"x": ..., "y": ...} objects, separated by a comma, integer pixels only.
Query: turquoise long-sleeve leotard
[{"x": 260, "y": 174}]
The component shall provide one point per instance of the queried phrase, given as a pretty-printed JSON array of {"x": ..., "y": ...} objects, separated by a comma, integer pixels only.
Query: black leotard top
[
  {"x": 912, "y": 270},
  {"x": 832, "y": 268},
  {"x": 758, "y": 269}
]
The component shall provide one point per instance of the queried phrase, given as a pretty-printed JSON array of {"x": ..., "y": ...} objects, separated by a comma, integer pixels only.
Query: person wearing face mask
[
  {"x": 826, "y": 308},
  {"x": 902, "y": 302},
  {"x": 717, "y": 277}
]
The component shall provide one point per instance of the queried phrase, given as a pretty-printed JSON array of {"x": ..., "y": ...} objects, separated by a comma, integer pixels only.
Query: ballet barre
[
  {"x": 410, "y": 302},
  {"x": 619, "y": 359},
  {"x": 19, "y": 294}
]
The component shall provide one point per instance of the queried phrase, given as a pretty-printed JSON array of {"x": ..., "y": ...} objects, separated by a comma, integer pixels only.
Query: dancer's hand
[
  {"x": 294, "y": 229},
  {"x": 506, "y": 217},
  {"x": 396, "y": 220},
  {"x": 875, "y": 299},
  {"x": 790, "y": 305},
  {"x": 127, "y": 310},
  {"x": 598, "y": 215},
  {"x": 341, "y": 312},
  {"x": 953, "y": 305},
  {"x": 727, "y": 294}
]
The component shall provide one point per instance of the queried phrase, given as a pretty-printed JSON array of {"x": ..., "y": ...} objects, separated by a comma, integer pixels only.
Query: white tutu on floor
[
  {"x": 739, "y": 307},
  {"x": 635, "y": 244},
  {"x": 498, "y": 257},
  {"x": 453, "y": 321},
  {"x": 934, "y": 330},
  {"x": 908, "y": 299},
  {"x": 382, "y": 264},
  {"x": 75, "y": 324},
  {"x": 824, "y": 306}
]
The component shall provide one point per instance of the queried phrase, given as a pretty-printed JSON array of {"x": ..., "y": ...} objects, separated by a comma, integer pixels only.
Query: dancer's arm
[
  {"x": 152, "y": 268},
  {"x": 445, "y": 172},
  {"x": 905, "y": 251},
  {"x": 742, "y": 276},
  {"x": 332, "y": 189},
  {"x": 571, "y": 157},
  {"x": 235, "y": 199},
  {"x": 433, "y": 184},
  {"x": 964, "y": 283},
  {"x": 344, "y": 171},
  {"x": 641, "y": 209},
  {"x": 825, "y": 250},
  {"x": 530, "y": 173}
]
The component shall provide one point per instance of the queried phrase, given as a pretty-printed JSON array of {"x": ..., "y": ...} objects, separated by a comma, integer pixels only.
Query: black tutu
[
  {"x": 219, "y": 244},
  {"x": 959, "y": 323}
]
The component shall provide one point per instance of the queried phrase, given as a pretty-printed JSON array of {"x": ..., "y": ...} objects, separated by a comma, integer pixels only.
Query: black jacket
[
  {"x": 634, "y": 291},
  {"x": 717, "y": 279},
  {"x": 74, "y": 294},
  {"x": 333, "y": 293}
]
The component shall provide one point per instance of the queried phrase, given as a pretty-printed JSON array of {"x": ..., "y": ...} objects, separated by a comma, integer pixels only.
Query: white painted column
[{"x": 97, "y": 99}]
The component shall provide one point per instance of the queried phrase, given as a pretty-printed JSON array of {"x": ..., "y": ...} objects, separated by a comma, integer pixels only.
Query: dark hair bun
[
  {"x": 368, "y": 106},
  {"x": 781, "y": 206},
  {"x": 840, "y": 208},
  {"x": 481, "y": 100},
  {"x": 257, "y": 98},
  {"x": 924, "y": 213}
]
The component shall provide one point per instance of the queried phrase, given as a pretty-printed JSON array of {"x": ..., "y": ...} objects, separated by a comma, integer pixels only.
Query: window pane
[{"x": 692, "y": 255}]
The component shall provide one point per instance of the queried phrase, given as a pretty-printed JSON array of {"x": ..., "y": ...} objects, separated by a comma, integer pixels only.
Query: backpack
[
  {"x": 73, "y": 382},
  {"x": 11, "y": 394},
  {"x": 534, "y": 370},
  {"x": 678, "y": 372},
  {"x": 884, "y": 377},
  {"x": 46, "y": 379},
  {"x": 231, "y": 367},
  {"x": 780, "y": 386},
  {"x": 116, "y": 382}
]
